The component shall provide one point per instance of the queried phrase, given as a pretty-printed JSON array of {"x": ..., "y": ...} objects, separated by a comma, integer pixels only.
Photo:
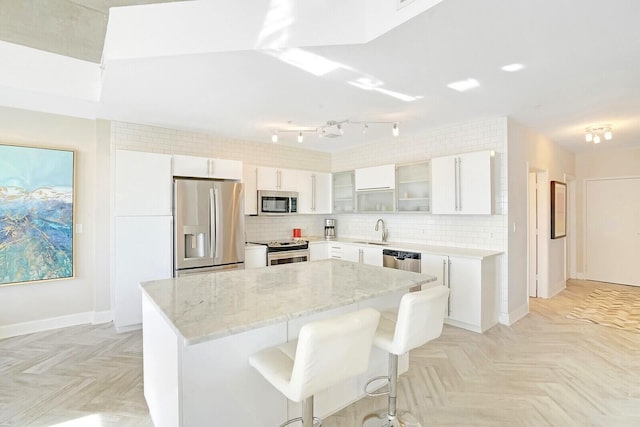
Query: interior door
[{"x": 613, "y": 230}]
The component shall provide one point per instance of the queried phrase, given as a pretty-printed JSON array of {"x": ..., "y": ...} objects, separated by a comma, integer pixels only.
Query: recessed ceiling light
[
  {"x": 463, "y": 85},
  {"x": 512, "y": 67}
]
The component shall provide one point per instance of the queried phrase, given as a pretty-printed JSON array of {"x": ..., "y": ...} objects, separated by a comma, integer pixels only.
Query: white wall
[
  {"x": 530, "y": 150},
  {"x": 50, "y": 304},
  {"x": 600, "y": 161}
]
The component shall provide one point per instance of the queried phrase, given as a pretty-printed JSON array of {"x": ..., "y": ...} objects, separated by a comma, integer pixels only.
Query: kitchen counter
[
  {"x": 199, "y": 331},
  {"x": 209, "y": 306},
  {"x": 415, "y": 247}
]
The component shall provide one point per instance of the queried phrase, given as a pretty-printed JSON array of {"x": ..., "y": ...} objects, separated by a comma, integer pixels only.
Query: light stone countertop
[
  {"x": 208, "y": 306},
  {"x": 415, "y": 247}
]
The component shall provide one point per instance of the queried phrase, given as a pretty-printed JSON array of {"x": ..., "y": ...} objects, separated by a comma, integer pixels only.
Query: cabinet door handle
[
  {"x": 444, "y": 266},
  {"x": 278, "y": 179},
  {"x": 361, "y": 256},
  {"x": 449, "y": 286},
  {"x": 313, "y": 192},
  {"x": 459, "y": 190},
  {"x": 455, "y": 181}
]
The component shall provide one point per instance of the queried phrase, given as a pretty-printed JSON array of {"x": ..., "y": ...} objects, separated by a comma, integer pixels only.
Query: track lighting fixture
[
  {"x": 333, "y": 129},
  {"x": 596, "y": 133}
]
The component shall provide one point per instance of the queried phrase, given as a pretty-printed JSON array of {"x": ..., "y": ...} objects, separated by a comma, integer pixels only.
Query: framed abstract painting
[{"x": 37, "y": 194}]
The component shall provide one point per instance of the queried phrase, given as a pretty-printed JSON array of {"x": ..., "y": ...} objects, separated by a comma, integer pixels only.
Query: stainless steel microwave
[{"x": 277, "y": 202}]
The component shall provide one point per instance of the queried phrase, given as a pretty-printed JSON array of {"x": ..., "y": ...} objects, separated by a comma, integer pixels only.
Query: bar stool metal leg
[
  {"x": 307, "y": 419},
  {"x": 390, "y": 417}
]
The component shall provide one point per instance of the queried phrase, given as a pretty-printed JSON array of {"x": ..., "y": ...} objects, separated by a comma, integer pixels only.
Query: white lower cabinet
[
  {"x": 143, "y": 251},
  {"x": 356, "y": 253},
  {"x": 344, "y": 251},
  {"x": 435, "y": 265},
  {"x": 319, "y": 250},
  {"x": 255, "y": 256},
  {"x": 371, "y": 256},
  {"x": 472, "y": 283}
]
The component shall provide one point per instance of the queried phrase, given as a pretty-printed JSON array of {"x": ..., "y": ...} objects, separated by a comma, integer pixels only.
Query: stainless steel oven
[
  {"x": 287, "y": 257},
  {"x": 286, "y": 251}
]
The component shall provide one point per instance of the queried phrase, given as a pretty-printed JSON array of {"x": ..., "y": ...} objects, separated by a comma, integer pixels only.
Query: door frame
[
  {"x": 570, "y": 245},
  {"x": 543, "y": 215}
]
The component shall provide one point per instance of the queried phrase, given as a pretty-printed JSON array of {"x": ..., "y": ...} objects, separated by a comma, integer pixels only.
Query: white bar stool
[
  {"x": 326, "y": 353},
  {"x": 419, "y": 319}
]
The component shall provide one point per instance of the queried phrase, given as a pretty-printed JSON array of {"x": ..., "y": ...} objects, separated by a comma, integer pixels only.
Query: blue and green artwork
[{"x": 36, "y": 214}]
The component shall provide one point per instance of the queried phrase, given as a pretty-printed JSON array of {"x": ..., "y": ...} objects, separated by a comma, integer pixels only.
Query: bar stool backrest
[
  {"x": 420, "y": 318},
  {"x": 331, "y": 351}
]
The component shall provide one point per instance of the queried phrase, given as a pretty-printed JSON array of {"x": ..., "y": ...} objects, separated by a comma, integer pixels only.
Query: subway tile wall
[{"x": 130, "y": 136}]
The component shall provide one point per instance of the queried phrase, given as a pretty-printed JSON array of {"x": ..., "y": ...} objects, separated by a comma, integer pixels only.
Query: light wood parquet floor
[{"x": 546, "y": 370}]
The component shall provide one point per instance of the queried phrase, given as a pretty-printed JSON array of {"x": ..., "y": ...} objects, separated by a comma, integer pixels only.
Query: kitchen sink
[{"x": 374, "y": 243}]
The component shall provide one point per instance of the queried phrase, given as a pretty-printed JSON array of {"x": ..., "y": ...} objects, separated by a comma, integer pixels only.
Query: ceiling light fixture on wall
[
  {"x": 596, "y": 133},
  {"x": 334, "y": 129}
]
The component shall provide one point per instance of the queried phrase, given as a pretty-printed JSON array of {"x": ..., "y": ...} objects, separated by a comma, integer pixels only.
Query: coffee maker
[{"x": 329, "y": 229}]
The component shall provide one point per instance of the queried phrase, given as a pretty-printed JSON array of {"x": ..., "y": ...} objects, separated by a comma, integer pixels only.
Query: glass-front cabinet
[
  {"x": 344, "y": 192},
  {"x": 375, "y": 201},
  {"x": 413, "y": 187}
]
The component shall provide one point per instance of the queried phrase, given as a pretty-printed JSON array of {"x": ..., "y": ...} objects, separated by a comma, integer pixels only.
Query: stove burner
[{"x": 285, "y": 245}]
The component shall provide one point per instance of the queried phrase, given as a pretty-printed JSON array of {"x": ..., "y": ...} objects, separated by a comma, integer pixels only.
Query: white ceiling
[{"x": 581, "y": 67}]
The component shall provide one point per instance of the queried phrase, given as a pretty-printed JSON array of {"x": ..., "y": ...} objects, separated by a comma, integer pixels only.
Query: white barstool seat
[
  {"x": 326, "y": 353},
  {"x": 418, "y": 320}
]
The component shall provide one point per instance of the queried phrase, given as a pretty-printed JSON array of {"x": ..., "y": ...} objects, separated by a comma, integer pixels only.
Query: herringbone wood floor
[{"x": 546, "y": 370}]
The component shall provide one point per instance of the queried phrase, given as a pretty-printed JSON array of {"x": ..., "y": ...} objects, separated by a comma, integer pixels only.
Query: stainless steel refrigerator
[{"x": 208, "y": 217}]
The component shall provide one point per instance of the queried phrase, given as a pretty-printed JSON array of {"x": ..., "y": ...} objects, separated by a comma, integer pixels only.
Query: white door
[{"x": 613, "y": 230}]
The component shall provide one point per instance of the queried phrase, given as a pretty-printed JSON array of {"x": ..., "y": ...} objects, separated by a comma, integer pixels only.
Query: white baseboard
[
  {"x": 100, "y": 317},
  {"x": 557, "y": 288},
  {"x": 512, "y": 317},
  {"x": 581, "y": 276},
  {"x": 89, "y": 317}
]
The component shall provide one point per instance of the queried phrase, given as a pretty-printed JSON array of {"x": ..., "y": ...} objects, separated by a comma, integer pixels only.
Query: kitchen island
[{"x": 198, "y": 332}]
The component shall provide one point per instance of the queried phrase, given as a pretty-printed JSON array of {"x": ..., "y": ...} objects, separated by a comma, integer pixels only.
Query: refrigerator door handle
[
  {"x": 216, "y": 222},
  {"x": 212, "y": 230}
]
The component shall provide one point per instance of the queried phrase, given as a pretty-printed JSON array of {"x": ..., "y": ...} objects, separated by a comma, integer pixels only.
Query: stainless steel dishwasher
[{"x": 401, "y": 260}]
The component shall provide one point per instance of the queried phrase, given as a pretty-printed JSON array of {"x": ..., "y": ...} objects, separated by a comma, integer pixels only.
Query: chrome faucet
[{"x": 385, "y": 232}]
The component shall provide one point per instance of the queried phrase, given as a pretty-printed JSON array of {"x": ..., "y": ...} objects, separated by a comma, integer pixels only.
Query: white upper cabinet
[
  {"x": 143, "y": 183},
  {"x": 314, "y": 192},
  {"x": 461, "y": 184},
  {"x": 250, "y": 182},
  {"x": 376, "y": 178},
  {"x": 277, "y": 179},
  {"x": 203, "y": 167}
]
